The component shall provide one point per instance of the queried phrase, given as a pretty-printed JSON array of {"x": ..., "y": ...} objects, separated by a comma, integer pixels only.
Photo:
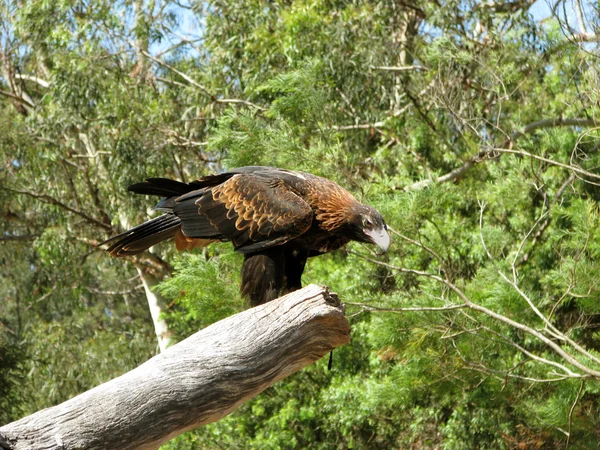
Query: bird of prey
[{"x": 276, "y": 217}]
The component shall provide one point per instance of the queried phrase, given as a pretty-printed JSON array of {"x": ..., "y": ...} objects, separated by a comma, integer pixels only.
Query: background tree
[{"x": 471, "y": 125}]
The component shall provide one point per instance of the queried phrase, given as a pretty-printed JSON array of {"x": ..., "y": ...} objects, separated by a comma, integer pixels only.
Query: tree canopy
[{"x": 471, "y": 126}]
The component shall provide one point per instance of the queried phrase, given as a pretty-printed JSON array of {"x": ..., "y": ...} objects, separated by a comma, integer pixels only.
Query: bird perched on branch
[{"x": 277, "y": 218}]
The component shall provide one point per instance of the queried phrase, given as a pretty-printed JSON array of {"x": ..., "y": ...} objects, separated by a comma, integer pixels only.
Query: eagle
[{"x": 277, "y": 218}]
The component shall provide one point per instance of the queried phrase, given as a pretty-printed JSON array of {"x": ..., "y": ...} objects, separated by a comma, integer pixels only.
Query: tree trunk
[
  {"x": 155, "y": 304},
  {"x": 406, "y": 28},
  {"x": 150, "y": 277},
  {"x": 143, "y": 39},
  {"x": 194, "y": 382}
]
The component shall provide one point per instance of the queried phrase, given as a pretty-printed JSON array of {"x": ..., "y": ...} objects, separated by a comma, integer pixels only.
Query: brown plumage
[{"x": 276, "y": 217}]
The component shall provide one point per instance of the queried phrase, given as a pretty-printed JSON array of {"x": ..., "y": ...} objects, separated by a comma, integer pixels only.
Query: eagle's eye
[{"x": 367, "y": 222}]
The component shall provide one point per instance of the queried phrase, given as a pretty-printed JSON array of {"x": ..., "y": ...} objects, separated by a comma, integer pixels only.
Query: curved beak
[{"x": 379, "y": 237}]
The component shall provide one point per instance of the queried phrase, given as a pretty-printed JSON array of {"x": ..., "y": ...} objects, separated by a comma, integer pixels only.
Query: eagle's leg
[
  {"x": 295, "y": 260},
  {"x": 262, "y": 276}
]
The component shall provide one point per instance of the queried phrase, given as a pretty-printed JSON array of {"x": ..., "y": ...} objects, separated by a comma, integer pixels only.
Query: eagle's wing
[{"x": 254, "y": 212}]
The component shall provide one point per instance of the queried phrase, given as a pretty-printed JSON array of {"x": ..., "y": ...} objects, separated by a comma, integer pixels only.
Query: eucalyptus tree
[{"x": 84, "y": 112}]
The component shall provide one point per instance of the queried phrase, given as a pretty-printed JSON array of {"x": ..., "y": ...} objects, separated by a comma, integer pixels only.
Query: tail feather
[
  {"x": 144, "y": 236},
  {"x": 166, "y": 187},
  {"x": 161, "y": 186},
  {"x": 152, "y": 232}
]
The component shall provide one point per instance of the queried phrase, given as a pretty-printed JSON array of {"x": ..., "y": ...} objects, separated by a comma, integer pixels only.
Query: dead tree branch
[{"x": 194, "y": 382}]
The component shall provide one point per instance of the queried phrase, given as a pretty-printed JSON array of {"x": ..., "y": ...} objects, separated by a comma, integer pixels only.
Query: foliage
[{"x": 470, "y": 125}]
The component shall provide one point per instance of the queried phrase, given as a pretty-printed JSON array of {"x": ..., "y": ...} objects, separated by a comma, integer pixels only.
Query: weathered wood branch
[{"x": 194, "y": 382}]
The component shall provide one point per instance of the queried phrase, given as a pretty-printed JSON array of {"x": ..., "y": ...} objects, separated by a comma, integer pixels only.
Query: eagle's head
[{"x": 367, "y": 225}]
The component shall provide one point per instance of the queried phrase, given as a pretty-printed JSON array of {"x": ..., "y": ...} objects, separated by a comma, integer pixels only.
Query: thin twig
[
  {"x": 92, "y": 155},
  {"x": 494, "y": 315},
  {"x": 579, "y": 392},
  {"x": 549, "y": 123},
  {"x": 549, "y": 327},
  {"x": 533, "y": 356},
  {"x": 23, "y": 237},
  {"x": 17, "y": 98},
  {"x": 549, "y": 161},
  {"x": 500, "y": 375},
  {"x": 202, "y": 88},
  {"x": 584, "y": 30},
  {"x": 399, "y": 68},
  {"x": 372, "y": 308},
  {"x": 381, "y": 123},
  {"x": 544, "y": 225},
  {"x": 368, "y": 126},
  {"x": 418, "y": 244},
  {"x": 52, "y": 201},
  {"x": 484, "y": 155}
]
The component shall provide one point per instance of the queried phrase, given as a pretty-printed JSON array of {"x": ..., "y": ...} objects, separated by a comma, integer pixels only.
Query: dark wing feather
[
  {"x": 254, "y": 212},
  {"x": 194, "y": 224}
]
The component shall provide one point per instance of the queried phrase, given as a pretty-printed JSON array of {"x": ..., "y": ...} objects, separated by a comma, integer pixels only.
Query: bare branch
[
  {"x": 171, "y": 82},
  {"x": 549, "y": 123},
  {"x": 549, "y": 327},
  {"x": 399, "y": 68},
  {"x": 17, "y": 98},
  {"x": 579, "y": 13},
  {"x": 573, "y": 168},
  {"x": 347, "y": 102},
  {"x": 442, "y": 179},
  {"x": 52, "y": 201},
  {"x": 92, "y": 155},
  {"x": 546, "y": 222},
  {"x": 506, "y": 7},
  {"x": 371, "y": 308},
  {"x": 484, "y": 155},
  {"x": 36, "y": 80},
  {"x": 202, "y": 88},
  {"x": 494, "y": 315},
  {"x": 585, "y": 37},
  {"x": 361, "y": 126},
  {"x": 555, "y": 332},
  {"x": 418, "y": 244},
  {"x": 534, "y": 357},
  {"x": 14, "y": 237},
  {"x": 129, "y": 291},
  {"x": 579, "y": 392},
  {"x": 501, "y": 375},
  {"x": 381, "y": 123}
]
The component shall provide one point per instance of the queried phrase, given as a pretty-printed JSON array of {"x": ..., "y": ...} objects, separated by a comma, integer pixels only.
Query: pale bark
[
  {"x": 194, "y": 382},
  {"x": 150, "y": 276},
  {"x": 407, "y": 26},
  {"x": 143, "y": 39},
  {"x": 155, "y": 304}
]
